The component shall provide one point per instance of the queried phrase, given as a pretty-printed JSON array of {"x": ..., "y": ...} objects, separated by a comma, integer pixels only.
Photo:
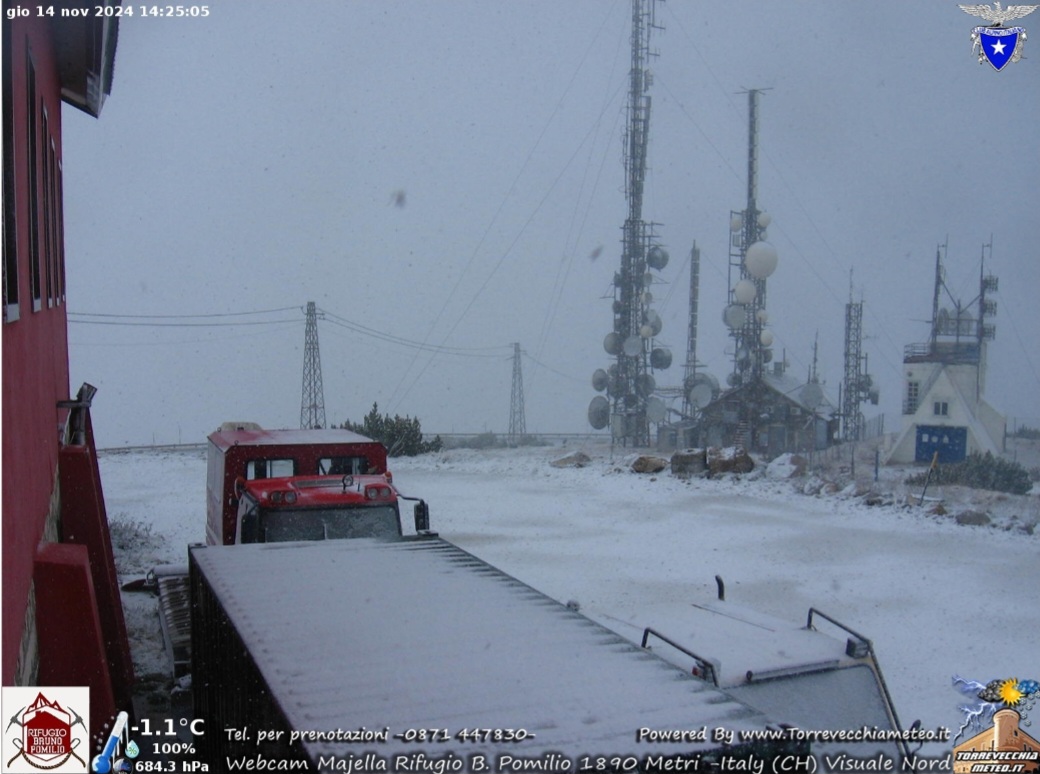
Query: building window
[
  {"x": 59, "y": 207},
  {"x": 48, "y": 215},
  {"x": 52, "y": 205},
  {"x": 913, "y": 395},
  {"x": 10, "y": 232},
  {"x": 941, "y": 408},
  {"x": 32, "y": 138}
]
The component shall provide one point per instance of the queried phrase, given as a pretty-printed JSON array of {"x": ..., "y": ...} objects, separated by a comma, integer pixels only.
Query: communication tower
[
  {"x": 954, "y": 328},
  {"x": 751, "y": 261},
  {"x": 699, "y": 388},
  {"x": 312, "y": 404},
  {"x": 517, "y": 423},
  {"x": 858, "y": 385},
  {"x": 629, "y": 406}
]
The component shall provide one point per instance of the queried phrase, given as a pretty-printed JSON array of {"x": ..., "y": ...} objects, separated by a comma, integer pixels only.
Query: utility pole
[
  {"x": 312, "y": 404},
  {"x": 517, "y": 423}
]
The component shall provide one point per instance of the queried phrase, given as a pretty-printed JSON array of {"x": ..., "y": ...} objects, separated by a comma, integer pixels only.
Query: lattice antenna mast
[
  {"x": 857, "y": 385},
  {"x": 751, "y": 261},
  {"x": 690, "y": 368},
  {"x": 631, "y": 384},
  {"x": 517, "y": 422},
  {"x": 312, "y": 404}
]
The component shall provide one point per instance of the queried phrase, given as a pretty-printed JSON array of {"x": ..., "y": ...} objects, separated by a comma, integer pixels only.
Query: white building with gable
[{"x": 944, "y": 381}]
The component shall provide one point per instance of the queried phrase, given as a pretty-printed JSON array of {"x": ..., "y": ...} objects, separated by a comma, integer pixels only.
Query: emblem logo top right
[{"x": 997, "y": 44}]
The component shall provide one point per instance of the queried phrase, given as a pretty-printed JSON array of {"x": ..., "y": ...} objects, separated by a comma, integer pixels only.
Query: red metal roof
[{"x": 225, "y": 439}]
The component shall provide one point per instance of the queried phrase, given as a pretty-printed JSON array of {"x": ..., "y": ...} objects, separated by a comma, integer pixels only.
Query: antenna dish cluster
[
  {"x": 657, "y": 258},
  {"x": 812, "y": 395},
  {"x": 702, "y": 389},
  {"x": 734, "y": 316},
  {"x": 760, "y": 260},
  {"x": 599, "y": 412},
  {"x": 744, "y": 291}
]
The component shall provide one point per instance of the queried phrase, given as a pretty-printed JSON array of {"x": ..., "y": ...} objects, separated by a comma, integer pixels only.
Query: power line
[
  {"x": 179, "y": 316},
  {"x": 177, "y": 325},
  {"x": 486, "y": 352}
]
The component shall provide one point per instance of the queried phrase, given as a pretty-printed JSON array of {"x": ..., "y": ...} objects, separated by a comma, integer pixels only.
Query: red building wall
[{"x": 35, "y": 343}]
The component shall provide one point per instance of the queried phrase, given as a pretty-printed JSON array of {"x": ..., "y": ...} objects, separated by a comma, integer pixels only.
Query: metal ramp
[{"x": 171, "y": 583}]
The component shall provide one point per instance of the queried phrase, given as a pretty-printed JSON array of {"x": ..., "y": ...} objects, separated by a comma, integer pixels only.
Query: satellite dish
[
  {"x": 653, "y": 319},
  {"x": 645, "y": 384},
  {"x": 657, "y": 258},
  {"x": 612, "y": 343},
  {"x": 965, "y": 323},
  {"x": 812, "y": 395},
  {"x": 660, "y": 358},
  {"x": 599, "y": 380},
  {"x": 742, "y": 354},
  {"x": 733, "y": 380},
  {"x": 736, "y": 223},
  {"x": 633, "y": 346},
  {"x": 647, "y": 297},
  {"x": 767, "y": 355},
  {"x": 655, "y": 410},
  {"x": 760, "y": 260},
  {"x": 599, "y": 412},
  {"x": 764, "y": 219},
  {"x": 762, "y": 316},
  {"x": 700, "y": 395},
  {"x": 708, "y": 379},
  {"x": 744, "y": 292},
  {"x": 734, "y": 316},
  {"x": 766, "y": 337}
]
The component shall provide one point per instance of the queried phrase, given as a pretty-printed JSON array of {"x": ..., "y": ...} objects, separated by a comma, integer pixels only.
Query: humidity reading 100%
[{"x": 168, "y": 728}]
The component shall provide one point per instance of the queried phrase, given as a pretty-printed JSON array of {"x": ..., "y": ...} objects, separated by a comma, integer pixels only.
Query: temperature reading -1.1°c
[{"x": 168, "y": 727}]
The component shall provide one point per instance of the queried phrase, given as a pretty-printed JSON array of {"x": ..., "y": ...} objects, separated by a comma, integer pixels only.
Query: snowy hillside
[{"x": 937, "y": 598}]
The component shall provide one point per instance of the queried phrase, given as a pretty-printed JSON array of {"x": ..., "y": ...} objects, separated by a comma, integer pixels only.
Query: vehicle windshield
[{"x": 373, "y": 521}]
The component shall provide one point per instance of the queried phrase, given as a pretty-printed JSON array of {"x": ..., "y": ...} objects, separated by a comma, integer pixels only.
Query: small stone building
[{"x": 772, "y": 415}]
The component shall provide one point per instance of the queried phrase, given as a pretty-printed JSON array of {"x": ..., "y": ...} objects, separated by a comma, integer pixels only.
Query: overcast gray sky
[{"x": 445, "y": 172}]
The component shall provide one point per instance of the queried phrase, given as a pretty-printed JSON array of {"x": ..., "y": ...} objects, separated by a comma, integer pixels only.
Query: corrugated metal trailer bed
[{"x": 411, "y": 635}]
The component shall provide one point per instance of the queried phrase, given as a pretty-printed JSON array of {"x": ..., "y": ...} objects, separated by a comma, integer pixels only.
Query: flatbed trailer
[{"x": 422, "y": 649}]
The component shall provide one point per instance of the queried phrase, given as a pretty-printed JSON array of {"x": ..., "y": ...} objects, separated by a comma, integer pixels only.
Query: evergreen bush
[
  {"x": 402, "y": 436},
  {"x": 981, "y": 471}
]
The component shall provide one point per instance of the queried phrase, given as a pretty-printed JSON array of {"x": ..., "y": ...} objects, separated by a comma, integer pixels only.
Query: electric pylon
[
  {"x": 312, "y": 404},
  {"x": 517, "y": 424}
]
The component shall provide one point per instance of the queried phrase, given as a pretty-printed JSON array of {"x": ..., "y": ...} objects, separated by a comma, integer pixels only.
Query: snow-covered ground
[{"x": 937, "y": 598}]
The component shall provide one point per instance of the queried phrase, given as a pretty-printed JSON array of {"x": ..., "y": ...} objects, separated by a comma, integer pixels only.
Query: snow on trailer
[
  {"x": 418, "y": 634},
  {"x": 799, "y": 674}
]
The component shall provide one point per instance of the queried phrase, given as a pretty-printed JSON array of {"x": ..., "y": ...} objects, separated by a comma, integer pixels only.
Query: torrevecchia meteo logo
[{"x": 1006, "y": 746}]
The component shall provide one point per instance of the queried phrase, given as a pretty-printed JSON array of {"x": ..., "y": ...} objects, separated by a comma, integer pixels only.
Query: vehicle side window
[
  {"x": 270, "y": 468},
  {"x": 338, "y": 466}
]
